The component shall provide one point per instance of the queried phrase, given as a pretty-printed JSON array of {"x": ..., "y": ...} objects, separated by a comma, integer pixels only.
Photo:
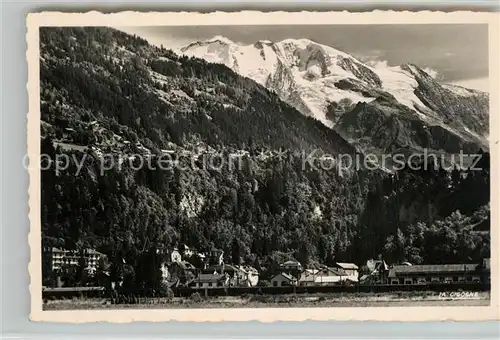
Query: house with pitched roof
[
  {"x": 350, "y": 269},
  {"x": 211, "y": 281},
  {"x": 178, "y": 273},
  {"x": 374, "y": 272},
  {"x": 233, "y": 273},
  {"x": 283, "y": 280},
  {"x": 247, "y": 276},
  {"x": 291, "y": 265},
  {"x": 323, "y": 277}
]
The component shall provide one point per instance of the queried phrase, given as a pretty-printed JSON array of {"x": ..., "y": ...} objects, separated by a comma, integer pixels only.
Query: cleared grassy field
[{"x": 402, "y": 299}]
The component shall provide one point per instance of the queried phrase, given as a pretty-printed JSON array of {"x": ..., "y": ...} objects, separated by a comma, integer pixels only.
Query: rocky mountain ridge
[{"x": 311, "y": 77}]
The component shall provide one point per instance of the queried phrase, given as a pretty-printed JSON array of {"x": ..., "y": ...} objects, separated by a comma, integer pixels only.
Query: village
[
  {"x": 101, "y": 142},
  {"x": 208, "y": 272}
]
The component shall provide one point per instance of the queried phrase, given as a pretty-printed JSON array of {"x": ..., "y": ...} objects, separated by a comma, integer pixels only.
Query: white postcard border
[{"x": 473, "y": 313}]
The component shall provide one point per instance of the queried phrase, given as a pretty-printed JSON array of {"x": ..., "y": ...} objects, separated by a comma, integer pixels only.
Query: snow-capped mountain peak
[
  {"x": 218, "y": 39},
  {"x": 311, "y": 76},
  {"x": 221, "y": 39},
  {"x": 301, "y": 71}
]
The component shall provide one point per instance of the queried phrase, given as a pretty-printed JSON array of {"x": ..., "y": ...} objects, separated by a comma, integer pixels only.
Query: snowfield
[{"x": 311, "y": 70}]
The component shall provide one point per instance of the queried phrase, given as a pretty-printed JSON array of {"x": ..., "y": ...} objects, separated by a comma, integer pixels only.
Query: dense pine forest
[{"x": 106, "y": 92}]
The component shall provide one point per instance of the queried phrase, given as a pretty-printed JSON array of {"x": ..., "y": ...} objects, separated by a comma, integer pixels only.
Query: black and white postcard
[{"x": 263, "y": 166}]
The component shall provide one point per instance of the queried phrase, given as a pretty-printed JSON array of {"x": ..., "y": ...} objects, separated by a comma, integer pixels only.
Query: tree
[
  {"x": 400, "y": 244},
  {"x": 304, "y": 253},
  {"x": 263, "y": 283},
  {"x": 390, "y": 249},
  {"x": 236, "y": 252},
  {"x": 346, "y": 104}
]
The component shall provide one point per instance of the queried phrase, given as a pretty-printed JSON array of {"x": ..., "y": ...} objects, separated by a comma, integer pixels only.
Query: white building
[
  {"x": 351, "y": 270},
  {"x": 291, "y": 266},
  {"x": 322, "y": 277},
  {"x": 62, "y": 257},
  {"x": 247, "y": 276},
  {"x": 175, "y": 256},
  {"x": 211, "y": 281}
]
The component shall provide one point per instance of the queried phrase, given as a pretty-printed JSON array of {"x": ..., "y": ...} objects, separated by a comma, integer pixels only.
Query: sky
[{"x": 453, "y": 53}]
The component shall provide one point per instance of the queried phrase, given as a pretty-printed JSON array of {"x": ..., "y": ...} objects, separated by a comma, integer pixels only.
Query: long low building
[
  {"x": 434, "y": 273},
  {"x": 326, "y": 276}
]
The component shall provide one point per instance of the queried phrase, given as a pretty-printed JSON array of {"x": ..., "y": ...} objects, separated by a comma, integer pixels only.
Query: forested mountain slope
[{"x": 104, "y": 93}]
